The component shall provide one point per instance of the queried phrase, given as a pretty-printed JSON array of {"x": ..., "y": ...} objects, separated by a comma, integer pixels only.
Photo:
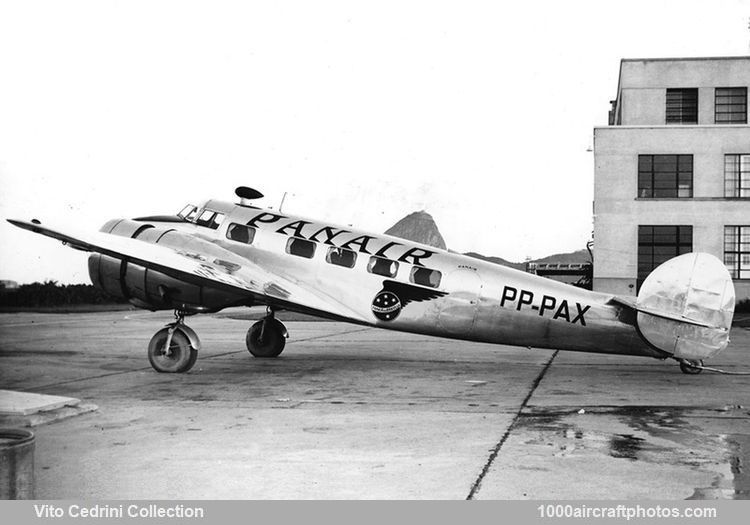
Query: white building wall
[
  {"x": 643, "y": 85},
  {"x": 618, "y": 211},
  {"x": 641, "y": 129}
]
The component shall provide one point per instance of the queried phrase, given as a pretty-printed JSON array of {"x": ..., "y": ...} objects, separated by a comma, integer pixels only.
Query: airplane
[{"x": 223, "y": 254}]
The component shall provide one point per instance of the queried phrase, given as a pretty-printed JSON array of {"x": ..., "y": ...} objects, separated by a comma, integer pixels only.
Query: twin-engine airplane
[{"x": 221, "y": 254}]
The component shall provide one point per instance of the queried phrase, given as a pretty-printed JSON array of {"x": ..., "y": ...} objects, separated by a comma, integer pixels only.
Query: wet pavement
[
  {"x": 630, "y": 453},
  {"x": 353, "y": 412}
]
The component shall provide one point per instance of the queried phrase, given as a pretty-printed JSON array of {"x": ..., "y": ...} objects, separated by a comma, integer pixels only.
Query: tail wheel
[
  {"x": 266, "y": 341},
  {"x": 691, "y": 366},
  {"x": 180, "y": 357}
]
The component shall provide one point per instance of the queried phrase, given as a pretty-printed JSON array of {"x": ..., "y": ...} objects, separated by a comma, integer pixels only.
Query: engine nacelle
[{"x": 151, "y": 289}]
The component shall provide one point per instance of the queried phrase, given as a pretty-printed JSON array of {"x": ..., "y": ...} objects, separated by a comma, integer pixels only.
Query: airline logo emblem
[
  {"x": 386, "y": 306},
  {"x": 394, "y": 297}
]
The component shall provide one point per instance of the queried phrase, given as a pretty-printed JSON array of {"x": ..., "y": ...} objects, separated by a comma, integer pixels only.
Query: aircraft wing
[{"x": 229, "y": 272}]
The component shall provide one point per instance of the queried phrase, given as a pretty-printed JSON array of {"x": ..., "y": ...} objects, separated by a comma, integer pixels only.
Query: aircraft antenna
[{"x": 282, "y": 201}]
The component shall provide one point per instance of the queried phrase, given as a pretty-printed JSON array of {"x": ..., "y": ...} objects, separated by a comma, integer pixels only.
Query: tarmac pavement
[{"x": 353, "y": 412}]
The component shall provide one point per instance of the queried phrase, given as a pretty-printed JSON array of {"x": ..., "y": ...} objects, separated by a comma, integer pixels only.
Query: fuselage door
[{"x": 459, "y": 308}]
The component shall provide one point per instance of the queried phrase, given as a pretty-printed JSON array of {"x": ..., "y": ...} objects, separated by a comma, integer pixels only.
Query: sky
[{"x": 480, "y": 113}]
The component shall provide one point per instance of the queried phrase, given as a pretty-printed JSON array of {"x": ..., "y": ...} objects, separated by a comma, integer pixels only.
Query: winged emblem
[{"x": 394, "y": 296}]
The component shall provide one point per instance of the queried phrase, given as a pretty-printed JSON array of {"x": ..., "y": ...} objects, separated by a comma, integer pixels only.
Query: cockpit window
[
  {"x": 188, "y": 213},
  {"x": 216, "y": 220},
  {"x": 209, "y": 219},
  {"x": 205, "y": 217}
]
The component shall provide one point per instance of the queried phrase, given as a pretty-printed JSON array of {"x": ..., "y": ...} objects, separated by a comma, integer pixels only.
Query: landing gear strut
[
  {"x": 174, "y": 348},
  {"x": 691, "y": 366},
  {"x": 267, "y": 337}
]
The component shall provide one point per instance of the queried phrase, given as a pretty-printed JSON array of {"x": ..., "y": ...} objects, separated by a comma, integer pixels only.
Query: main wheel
[
  {"x": 691, "y": 366},
  {"x": 273, "y": 339},
  {"x": 181, "y": 356}
]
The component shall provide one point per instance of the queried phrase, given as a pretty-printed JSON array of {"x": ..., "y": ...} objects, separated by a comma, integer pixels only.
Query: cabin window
[
  {"x": 425, "y": 276},
  {"x": 241, "y": 233},
  {"x": 300, "y": 247},
  {"x": 341, "y": 257},
  {"x": 381, "y": 266}
]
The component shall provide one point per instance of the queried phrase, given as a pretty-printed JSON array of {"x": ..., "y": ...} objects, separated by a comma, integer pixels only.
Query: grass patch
[{"x": 68, "y": 308}]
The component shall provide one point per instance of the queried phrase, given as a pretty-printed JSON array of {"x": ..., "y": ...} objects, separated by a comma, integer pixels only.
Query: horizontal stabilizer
[{"x": 631, "y": 303}]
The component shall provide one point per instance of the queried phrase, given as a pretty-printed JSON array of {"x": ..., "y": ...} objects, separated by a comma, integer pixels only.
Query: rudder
[{"x": 685, "y": 306}]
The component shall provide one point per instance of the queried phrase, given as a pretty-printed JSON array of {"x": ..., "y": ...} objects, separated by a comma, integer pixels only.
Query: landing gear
[
  {"x": 691, "y": 366},
  {"x": 267, "y": 337},
  {"x": 174, "y": 348}
]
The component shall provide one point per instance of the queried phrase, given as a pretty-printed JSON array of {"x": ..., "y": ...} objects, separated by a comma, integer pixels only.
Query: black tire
[
  {"x": 273, "y": 339},
  {"x": 182, "y": 355},
  {"x": 686, "y": 365}
]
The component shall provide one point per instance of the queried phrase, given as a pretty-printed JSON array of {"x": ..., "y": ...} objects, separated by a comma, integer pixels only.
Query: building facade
[{"x": 672, "y": 170}]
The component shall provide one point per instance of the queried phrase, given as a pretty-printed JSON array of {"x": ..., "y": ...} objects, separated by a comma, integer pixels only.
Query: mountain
[
  {"x": 579, "y": 256},
  {"x": 418, "y": 227},
  {"x": 497, "y": 260}
]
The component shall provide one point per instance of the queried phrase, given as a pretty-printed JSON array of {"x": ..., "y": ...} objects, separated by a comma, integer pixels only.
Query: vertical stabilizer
[{"x": 685, "y": 306}]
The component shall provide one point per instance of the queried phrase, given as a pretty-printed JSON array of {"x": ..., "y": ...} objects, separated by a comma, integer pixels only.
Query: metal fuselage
[{"x": 464, "y": 298}]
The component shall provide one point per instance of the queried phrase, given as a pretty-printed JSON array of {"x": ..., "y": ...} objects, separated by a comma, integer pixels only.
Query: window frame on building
[
  {"x": 682, "y": 106},
  {"x": 737, "y": 251},
  {"x": 737, "y": 175},
  {"x": 732, "y": 102},
  {"x": 670, "y": 244},
  {"x": 673, "y": 184}
]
